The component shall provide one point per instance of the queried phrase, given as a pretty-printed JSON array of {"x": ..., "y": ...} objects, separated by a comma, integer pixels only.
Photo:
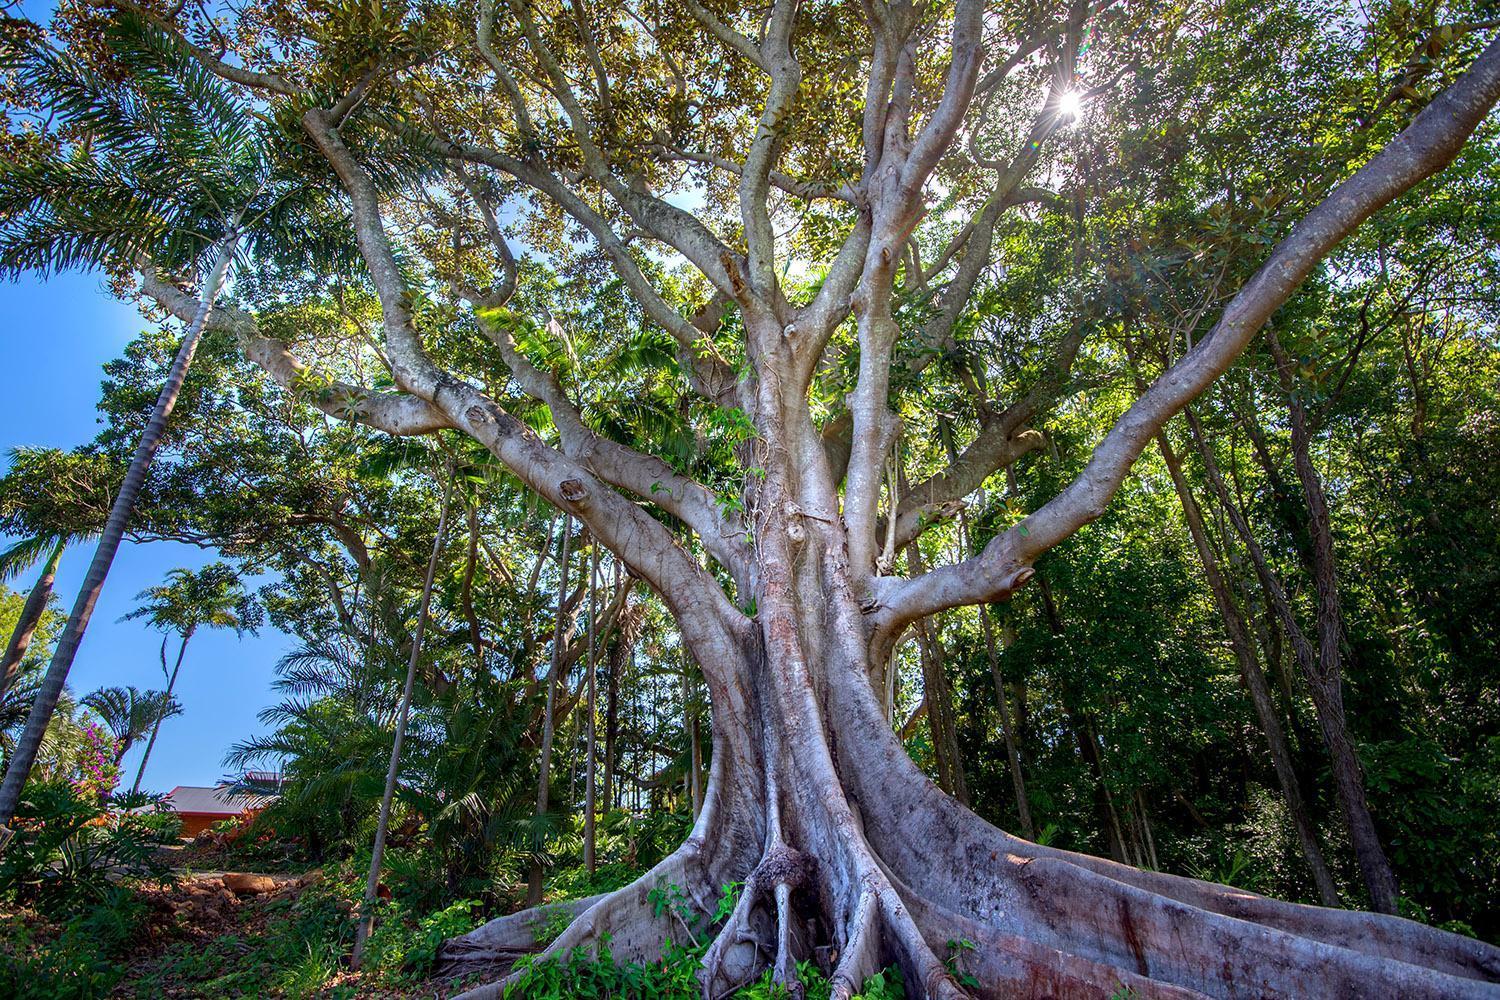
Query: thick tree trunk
[
  {"x": 1255, "y": 679},
  {"x": 854, "y": 859},
  {"x": 31, "y": 617},
  {"x": 20, "y": 764},
  {"x": 850, "y": 857}
]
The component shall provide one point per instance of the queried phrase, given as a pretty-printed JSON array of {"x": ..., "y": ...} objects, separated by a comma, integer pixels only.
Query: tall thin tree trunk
[
  {"x": 544, "y": 769},
  {"x": 161, "y": 715},
  {"x": 1081, "y": 722},
  {"x": 466, "y": 593},
  {"x": 383, "y": 822},
  {"x": 997, "y": 673},
  {"x": 1255, "y": 679},
  {"x": 939, "y": 698},
  {"x": 616, "y": 659},
  {"x": 590, "y": 800},
  {"x": 31, "y": 617},
  {"x": 30, "y": 743},
  {"x": 1012, "y": 753},
  {"x": 1348, "y": 778},
  {"x": 1347, "y": 771}
]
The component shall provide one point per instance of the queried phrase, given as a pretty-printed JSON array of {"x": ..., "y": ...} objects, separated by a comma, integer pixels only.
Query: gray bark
[{"x": 18, "y": 769}]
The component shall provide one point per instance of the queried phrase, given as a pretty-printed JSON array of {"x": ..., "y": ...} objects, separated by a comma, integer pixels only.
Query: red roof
[{"x": 220, "y": 800}]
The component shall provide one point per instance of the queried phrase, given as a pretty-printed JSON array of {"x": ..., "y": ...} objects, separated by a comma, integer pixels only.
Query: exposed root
[
  {"x": 1109, "y": 921},
  {"x": 860, "y": 958},
  {"x": 1009, "y": 965},
  {"x": 500, "y": 942},
  {"x": 736, "y": 953},
  {"x": 625, "y": 915},
  {"x": 888, "y": 870},
  {"x": 1373, "y": 934}
]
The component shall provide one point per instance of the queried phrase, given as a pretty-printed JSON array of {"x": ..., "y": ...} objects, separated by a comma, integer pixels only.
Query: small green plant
[
  {"x": 550, "y": 924},
  {"x": 402, "y": 950},
  {"x": 668, "y": 897},
  {"x": 958, "y": 952},
  {"x": 729, "y": 898},
  {"x": 886, "y": 984}
]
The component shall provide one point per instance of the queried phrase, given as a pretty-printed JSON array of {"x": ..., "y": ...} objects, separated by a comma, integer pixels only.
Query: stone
[{"x": 248, "y": 885}]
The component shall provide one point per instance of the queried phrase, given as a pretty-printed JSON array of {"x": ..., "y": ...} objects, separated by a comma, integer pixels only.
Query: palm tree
[
  {"x": 213, "y": 597},
  {"x": 170, "y": 174},
  {"x": 14, "y": 561},
  {"x": 15, "y": 705},
  {"x": 130, "y": 713}
]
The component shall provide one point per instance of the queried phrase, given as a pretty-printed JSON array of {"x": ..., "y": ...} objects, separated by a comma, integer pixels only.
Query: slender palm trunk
[
  {"x": 31, "y": 617},
  {"x": 544, "y": 775},
  {"x": 109, "y": 543},
  {"x": 162, "y": 715},
  {"x": 382, "y": 824}
]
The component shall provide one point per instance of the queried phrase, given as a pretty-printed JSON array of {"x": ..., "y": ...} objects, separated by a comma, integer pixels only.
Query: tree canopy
[{"x": 1072, "y": 420}]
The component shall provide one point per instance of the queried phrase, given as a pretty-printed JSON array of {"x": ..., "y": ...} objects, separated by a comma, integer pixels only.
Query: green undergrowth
[
  {"x": 595, "y": 975},
  {"x": 584, "y": 974}
]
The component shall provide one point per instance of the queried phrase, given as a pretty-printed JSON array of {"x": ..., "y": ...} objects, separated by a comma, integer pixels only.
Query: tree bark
[
  {"x": 31, "y": 616},
  {"x": 19, "y": 767}
]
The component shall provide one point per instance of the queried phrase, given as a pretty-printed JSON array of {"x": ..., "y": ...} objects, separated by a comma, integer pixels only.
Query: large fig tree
[{"x": 811, "y": 201}]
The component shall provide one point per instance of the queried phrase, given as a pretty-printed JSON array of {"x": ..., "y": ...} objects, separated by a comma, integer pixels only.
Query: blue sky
[{"x": 56, "y": 338}]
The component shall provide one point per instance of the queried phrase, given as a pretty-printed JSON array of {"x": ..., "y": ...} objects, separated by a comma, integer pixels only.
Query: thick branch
[{"x": 1426, "y": 146}]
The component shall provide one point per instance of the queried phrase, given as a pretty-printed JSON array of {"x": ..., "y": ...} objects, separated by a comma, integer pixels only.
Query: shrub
[
  {"x": 77, "y": 964},
  {"x": 403, "y": 951},
  {"x": 69, "y": 853}
]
